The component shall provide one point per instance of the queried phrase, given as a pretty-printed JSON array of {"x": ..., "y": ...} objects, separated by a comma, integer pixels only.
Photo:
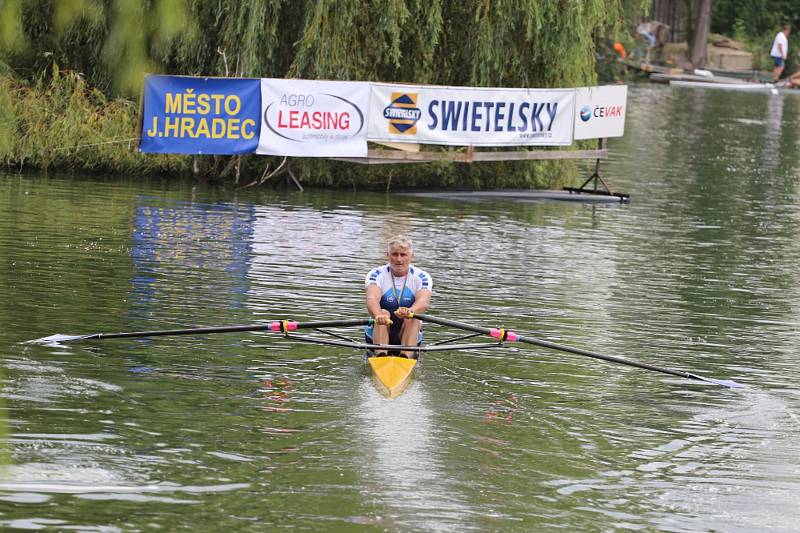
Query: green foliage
[
  {"x": 231, "y": 39},
  {"x": 110, "y": 44},
  {"x": 8, "y": 119},
  {"x": 11, "y": 36},
  {"x": 443, "y": 174},
  {"x": 477, "y": 43},
  {"x": 740, "y": 30},
  {"x": 60, "y": 122},
  {"x": 755, "y": 23},
  {"x": 754, "y": 18}
]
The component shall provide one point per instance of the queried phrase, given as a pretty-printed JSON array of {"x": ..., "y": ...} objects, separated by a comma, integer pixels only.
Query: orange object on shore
[{"x": 620, "y": 50}]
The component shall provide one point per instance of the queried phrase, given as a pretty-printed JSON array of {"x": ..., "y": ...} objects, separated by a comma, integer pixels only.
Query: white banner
[
  {"x": 307, "y": 118},
  {"x": 471, "y": 116},
  {"x": 600, "y": 111}
]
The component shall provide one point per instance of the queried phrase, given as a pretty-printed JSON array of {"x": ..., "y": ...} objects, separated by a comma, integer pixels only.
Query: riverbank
[{"x": 62, "y": 124}]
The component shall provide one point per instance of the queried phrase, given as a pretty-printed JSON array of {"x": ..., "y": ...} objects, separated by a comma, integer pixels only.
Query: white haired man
[{"x": 395, "y": 291}]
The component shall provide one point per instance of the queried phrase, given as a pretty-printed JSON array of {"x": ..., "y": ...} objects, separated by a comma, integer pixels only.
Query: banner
[
  {"x": 600, "y": 111},
  {"x": 307, "y": 118},
  {"x": 185, "y": 115},
  {"x": 471, "y": 116}
]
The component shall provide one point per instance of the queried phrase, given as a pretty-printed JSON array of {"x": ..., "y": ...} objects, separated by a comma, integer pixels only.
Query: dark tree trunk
[{"x": 699, "y": 41}]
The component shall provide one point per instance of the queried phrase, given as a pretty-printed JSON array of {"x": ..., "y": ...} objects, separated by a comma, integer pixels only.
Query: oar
[
  {"x": 510, "y": 336},
  {"x": 281, "y": 326}
]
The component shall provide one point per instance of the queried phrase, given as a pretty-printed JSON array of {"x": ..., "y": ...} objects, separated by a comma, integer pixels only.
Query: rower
[{"x": 395, "y": 291}]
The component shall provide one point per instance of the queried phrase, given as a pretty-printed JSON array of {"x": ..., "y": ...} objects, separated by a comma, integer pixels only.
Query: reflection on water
[
  {"x": 251, "y": 432},
  {"x": 308, "y": 255},
  {"x": 399, "y": 460},
  {"x": 184, "y": 241}
]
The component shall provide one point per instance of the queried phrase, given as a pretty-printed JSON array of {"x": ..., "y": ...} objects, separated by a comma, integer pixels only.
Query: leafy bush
[{"x": 58, "y": 121}]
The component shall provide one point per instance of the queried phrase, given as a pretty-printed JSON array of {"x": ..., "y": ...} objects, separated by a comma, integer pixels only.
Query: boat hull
[
  {"x": 743, "y": 87},
  {"x": 391, "y": 374}
]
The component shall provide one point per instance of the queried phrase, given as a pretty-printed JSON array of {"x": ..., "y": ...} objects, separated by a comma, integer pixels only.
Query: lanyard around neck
[{"x": 394, "y": 287}]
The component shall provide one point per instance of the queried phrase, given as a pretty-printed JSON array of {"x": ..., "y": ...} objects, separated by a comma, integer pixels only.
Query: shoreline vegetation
[
  {"x": 71, "y": 72},
  {"x": 52, "y": 115},
  {"x": 59, "y": 123}
]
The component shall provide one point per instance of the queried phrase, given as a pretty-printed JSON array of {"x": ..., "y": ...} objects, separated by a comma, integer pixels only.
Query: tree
[
  {"x": 698, "y": 41},
  {"x": 523, "y": 43},
  {"x": 111, "y": 44},
  {"x": 757, "y": 18}
]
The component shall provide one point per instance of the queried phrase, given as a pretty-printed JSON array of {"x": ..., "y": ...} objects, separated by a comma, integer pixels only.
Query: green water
[{"x": 250, "y": 432}]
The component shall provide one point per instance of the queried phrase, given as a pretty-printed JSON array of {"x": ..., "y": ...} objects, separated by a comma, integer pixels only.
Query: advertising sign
[
  {"x": 600, "y": 111},
  {"x": 471, "y": 116},
  {"x": 307, "y": 118},
  {"x": 186, "y": 115}
]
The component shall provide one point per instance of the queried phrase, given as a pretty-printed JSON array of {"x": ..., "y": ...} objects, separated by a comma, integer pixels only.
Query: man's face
[{"x": 399, "y": 259}]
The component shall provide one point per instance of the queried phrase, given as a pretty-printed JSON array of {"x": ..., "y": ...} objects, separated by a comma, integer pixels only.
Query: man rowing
[{"x": 395, "y": 291}]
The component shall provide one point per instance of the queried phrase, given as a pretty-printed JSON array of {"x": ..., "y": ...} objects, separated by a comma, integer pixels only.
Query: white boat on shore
[{"x": 768, "y": 88}]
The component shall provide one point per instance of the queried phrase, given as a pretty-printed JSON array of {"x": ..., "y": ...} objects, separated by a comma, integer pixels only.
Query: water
[{"x": 250, "y": 432}]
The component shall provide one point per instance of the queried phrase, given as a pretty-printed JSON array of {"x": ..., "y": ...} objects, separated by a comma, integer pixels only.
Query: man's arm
[
  {"x": 380, "y": 315},
  {"x": 422, "y": 299}
]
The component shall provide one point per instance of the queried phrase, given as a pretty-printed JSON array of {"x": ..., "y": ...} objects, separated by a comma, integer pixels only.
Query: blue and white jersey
[{"x": 393, "y": 288}]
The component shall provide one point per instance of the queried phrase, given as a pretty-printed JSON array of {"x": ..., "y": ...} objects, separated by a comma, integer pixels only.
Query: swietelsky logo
[{"x": 403, "y": 113}]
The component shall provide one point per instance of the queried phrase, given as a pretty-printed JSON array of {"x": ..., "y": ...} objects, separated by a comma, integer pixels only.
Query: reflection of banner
[
  {"x": 309, "y": 118},
  {"x": 163, "y": 244},
  {"x": 185, "y": 115},
  {"x": 471, "y": 116},
  {"x": 600, "y": 111}
]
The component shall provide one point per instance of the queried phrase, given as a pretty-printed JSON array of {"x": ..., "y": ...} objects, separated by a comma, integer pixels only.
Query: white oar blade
[
  {"x": 57, "y": 339},
  {"x": 726, "y": 383}
]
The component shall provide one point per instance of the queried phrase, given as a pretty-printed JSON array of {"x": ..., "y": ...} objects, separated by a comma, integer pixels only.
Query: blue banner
[{"x": 185, "y": 115}]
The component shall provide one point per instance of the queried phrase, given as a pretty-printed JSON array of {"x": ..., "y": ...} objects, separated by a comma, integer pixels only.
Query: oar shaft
[
  {"x": 165, "y": 332},
  {"x": 452, "y": 323},
  {"x": 609, "y": 358},
  {"x": 513, "y": 337},
  {"x": 275, "y": 326}
]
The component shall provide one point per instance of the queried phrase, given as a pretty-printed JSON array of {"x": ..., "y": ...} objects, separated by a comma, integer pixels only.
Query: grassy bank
[{"x": 60, "y": 123}]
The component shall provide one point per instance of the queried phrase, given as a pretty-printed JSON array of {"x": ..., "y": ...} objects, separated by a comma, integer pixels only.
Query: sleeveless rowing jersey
[{"x": 398, "y": 292}]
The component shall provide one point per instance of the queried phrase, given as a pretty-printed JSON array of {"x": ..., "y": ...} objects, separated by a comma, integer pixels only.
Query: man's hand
[
  {"x": 383, "y": 318},
  {"x": 404, "y": 312}
]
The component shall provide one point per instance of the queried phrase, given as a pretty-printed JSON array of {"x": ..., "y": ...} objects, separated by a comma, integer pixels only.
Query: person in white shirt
[
  {"x": 395, "y": 291},
  {"x": 779, "y": 52}
]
